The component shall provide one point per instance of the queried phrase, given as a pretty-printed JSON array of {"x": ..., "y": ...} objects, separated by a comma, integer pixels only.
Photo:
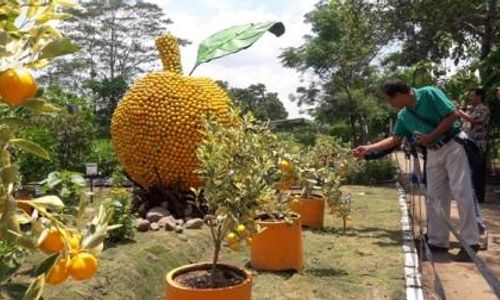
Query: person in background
[{"x": 477, "y": 126}]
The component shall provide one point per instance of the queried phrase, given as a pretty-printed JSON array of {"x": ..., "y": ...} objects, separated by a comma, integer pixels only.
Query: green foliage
[
  {"x": 107, "y": 92},
  {"x": 256, "y": 99},
  {"x": 303, "y": 132},
  {"x": 118, "y": 176},
  {"x": 120, "y": 203},
  {"x": 339, "y": 130},
  {"x": 28, "y": 36},
  {"x": 104, "y": 155},
  {"x": 372, "y": 172},
  {"x": 69, "y": 186},
  {"x": 431, "y": 30},
  {"x": 114, "y": 37},
  {"x": 32, "y": 168},
  {"x": 66, "y": 136},
  {"x": 346, "y": 37},
  {"x": 238, "y": 167}
]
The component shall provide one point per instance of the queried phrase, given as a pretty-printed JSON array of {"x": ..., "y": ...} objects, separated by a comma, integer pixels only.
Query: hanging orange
[
  {"x": 58, "y": 273},
  {"x": 17, "y": 86},
  {"x": 82, "y": 266}
]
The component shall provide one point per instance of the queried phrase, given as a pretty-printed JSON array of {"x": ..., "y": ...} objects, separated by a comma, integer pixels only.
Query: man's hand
[
  {"x": 424, "y": 139},
  {"x": 360, "y": 152}
]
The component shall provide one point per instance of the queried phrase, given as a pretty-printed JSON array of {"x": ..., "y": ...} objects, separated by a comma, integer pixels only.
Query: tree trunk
[{"x": 489, "y": 28}]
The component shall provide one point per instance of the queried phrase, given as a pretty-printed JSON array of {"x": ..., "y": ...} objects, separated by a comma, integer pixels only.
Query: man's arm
[
  {"x": 384, "y": 144},
  {"x": 444, "y": 126},
  {"x": 462, "y": 114}
]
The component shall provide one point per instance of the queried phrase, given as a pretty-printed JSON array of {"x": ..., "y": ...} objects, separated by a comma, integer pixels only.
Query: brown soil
[
  {"x": 460, "y": 280},
  {"x": 202, "y": 279}
]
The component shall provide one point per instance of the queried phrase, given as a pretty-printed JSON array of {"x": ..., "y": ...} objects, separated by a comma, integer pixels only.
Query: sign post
[{"x": 91, "y": 171}]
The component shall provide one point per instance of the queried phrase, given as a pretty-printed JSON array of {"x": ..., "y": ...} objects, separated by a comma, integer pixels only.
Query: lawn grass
[{"x": 365, "y": 262}]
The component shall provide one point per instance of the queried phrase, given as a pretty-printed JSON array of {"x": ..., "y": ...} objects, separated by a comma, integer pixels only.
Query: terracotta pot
[
  {"x": 174, "y": 291},
  {"x": 311, "y": 211},
  {"x": 278, "y": 247}
]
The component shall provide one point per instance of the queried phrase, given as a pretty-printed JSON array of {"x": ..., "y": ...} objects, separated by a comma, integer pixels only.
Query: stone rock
[
  {"x": 178, "y": 229},
  {"x": 168, "y": 223},
  {"x": 194, "y": 224},
  {"x": 142, "y": 224},
  {"x": 154, "y": 226},
  {"x": 179, "y": 222},
  {"x": 156, "y": 213}
]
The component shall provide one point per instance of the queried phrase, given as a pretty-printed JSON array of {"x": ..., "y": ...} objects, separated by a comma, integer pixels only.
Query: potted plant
[
  {"x": 320, "y": 170},
  {"x": 234, "y": 163},
  {"x": 278, "y": 224},
  {"x": 308, "y": 201},
  {"x": 334, "y": 162}
]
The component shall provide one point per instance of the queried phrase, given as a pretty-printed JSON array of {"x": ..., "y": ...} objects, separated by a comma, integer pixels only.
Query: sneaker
[
  {"x": 462, "y": 256},
  {"x": 483, "y": 241}
]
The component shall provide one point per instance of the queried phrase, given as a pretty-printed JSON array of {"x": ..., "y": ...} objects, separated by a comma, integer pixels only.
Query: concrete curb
[{"x": 413, "y": 278}]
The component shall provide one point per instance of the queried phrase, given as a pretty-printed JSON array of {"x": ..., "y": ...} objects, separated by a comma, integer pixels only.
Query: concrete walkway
[{"x": 460, "y": 280}]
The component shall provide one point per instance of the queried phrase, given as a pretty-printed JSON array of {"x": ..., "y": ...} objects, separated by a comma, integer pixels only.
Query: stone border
[{"x": 413, "y": 277}]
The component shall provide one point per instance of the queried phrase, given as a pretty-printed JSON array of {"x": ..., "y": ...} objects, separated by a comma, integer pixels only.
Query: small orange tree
[
  {"x": 334, "y": 161},
  {"x": 29, "y": 40},
  {"x": 238, "y": 166}
]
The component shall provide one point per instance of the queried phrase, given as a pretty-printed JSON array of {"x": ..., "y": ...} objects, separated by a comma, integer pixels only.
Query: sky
[{"x": 195, "y": 20}]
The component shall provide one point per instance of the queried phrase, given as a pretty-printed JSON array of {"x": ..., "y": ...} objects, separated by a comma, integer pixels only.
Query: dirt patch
[{"x": 209, "y": 279}]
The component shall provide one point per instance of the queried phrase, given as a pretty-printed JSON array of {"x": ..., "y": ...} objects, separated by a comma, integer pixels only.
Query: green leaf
[
  {"x": 7, "y": 270},
  {"x": 30, "y": 147},
  {"x": 40, "y": 106},
  {"x": 14, "y": 290},
  {"x": 234, "y": 39},
  {"x": 58, "y": 48},
  {"x": 35, "y": 290},
  {"x": 45, "y": 265},
  {"x": 14, "y": 122},
  {"x": 8, "y": 175},
  {"x": 47, "y": 201},
  {"x": 38, "y": 63},
  {"x": 78, "y": 180}
]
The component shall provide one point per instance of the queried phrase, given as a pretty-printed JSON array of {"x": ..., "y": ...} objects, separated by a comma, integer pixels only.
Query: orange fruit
[
  {"x": 285, "y": 166},
  {"x": 53, "y": 242},
  {"x": 235, "y": 246},
  {"x": 74, "y": 242},
  {"x": 232, "y": 237},
  {"x": 17, "y": 86},
  {"x": 58, "y": 273},
  {"x": 241, "y": 229},
  {"x": 82, "y": 266}
]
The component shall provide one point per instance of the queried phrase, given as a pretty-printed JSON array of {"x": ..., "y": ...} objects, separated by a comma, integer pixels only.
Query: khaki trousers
[{"x": 449, "y": 177}]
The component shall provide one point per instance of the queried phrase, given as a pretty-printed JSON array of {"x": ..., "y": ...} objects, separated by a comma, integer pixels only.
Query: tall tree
[
  {"x": 346, "y": 38},
  {"x": 436, "y": 30},
  {"x": 256, "y": 99},
  {"x": 117, "y": 44},
  {"x": 116, "y": 39}
]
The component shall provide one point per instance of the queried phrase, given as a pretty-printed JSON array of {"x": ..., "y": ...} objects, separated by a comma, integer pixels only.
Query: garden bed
[{"x": 363, "y": 263}]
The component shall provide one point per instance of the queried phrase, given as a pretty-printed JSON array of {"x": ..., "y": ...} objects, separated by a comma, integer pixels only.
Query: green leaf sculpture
[{"x": 234, "y": 39}]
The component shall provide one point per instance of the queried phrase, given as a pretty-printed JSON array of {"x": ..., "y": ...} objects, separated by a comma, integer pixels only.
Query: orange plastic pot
[
  {"x": 311, "y": 211},
  {"x": 26, "y": 207},
  {"x": 278, "y": 247},
  {"x": 174, "y": 291}
]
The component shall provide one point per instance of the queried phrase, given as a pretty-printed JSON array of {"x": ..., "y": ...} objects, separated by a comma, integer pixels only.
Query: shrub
[
  {"x": 120, "y": 203},
  {"x": 372, "y": 172}
]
